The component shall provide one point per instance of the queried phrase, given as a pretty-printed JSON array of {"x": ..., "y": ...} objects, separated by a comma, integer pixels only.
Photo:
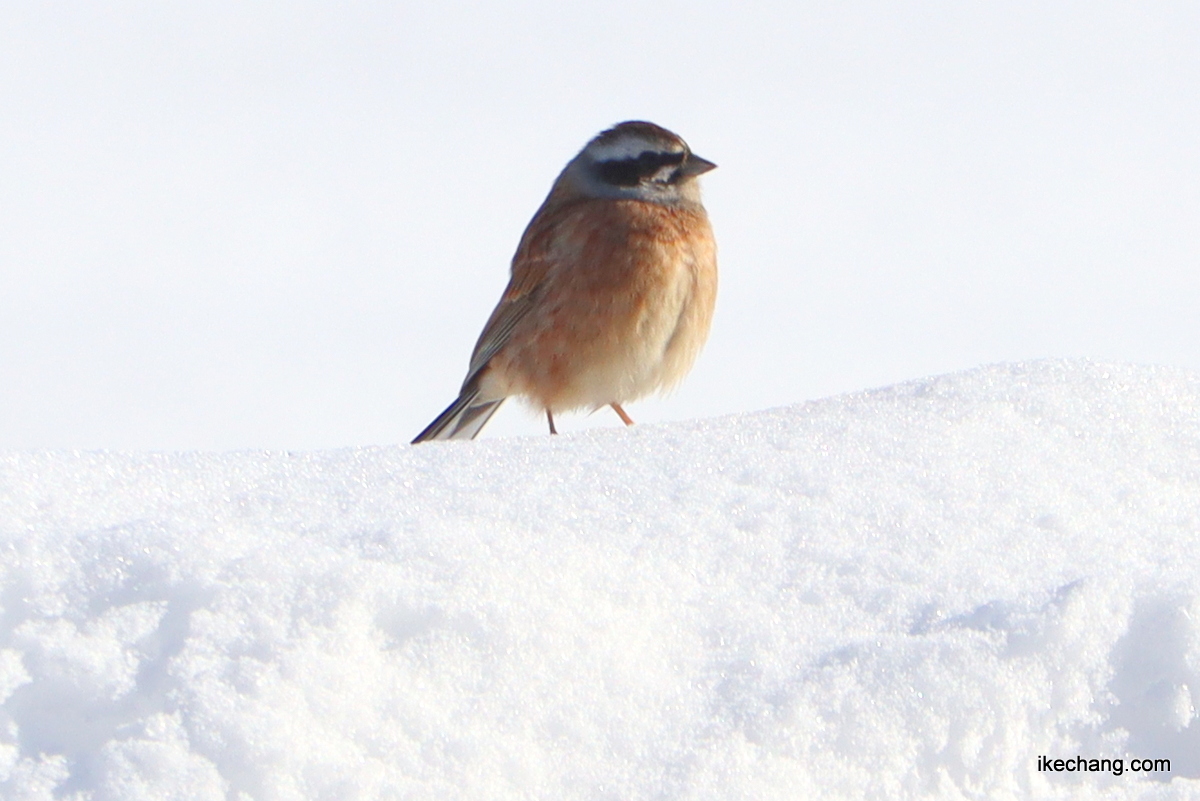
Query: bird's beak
[{"x": 694, "y": 165}]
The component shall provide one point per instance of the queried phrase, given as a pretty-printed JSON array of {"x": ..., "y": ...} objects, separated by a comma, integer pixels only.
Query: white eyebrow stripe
[{"x": 630, "y": 148}]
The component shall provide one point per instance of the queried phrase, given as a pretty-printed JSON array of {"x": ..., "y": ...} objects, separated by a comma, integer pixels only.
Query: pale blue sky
[{"x": 240, "y": 227}]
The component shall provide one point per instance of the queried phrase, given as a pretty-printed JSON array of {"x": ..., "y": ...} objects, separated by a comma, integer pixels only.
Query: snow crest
[{"x": 913, "y": 592}]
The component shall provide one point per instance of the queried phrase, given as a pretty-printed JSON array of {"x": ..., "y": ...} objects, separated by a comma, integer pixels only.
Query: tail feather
[{"x": 462, "y": 419}]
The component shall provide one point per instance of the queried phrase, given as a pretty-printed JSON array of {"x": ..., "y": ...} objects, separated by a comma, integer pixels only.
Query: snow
[{"x": 912, "y": 592}]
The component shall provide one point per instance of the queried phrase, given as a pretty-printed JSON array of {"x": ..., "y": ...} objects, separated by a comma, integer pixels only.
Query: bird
[{"x": 612, "y": 287}]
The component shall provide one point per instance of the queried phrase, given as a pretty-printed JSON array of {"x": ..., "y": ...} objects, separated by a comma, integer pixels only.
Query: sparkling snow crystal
[{"x": 914, "y": 592}]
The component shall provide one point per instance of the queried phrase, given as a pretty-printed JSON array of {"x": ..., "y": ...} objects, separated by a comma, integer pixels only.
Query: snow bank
[{"x": 911, "y": 592}]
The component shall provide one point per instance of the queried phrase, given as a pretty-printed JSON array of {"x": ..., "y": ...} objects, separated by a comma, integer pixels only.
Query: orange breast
[{"x": 623, "y": 293}]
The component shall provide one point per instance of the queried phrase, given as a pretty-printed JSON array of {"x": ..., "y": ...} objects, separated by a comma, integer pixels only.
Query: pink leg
[{"x": 626, "y": 419}]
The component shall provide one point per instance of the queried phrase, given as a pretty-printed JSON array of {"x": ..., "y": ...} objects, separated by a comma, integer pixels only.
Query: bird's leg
[
  {"x": 550, "y": 420},
  {"x": 626, "y": 419}
]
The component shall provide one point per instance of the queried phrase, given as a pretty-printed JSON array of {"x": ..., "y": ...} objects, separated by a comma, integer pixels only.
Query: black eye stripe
[
  {"x": 631, "y": 171},
  {"x": 660, "y": 159}
]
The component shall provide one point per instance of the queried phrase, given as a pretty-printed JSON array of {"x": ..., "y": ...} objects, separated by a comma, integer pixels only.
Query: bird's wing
[
  {"x": 508, "y": 312},
  {"x": 536, "y": 256}
]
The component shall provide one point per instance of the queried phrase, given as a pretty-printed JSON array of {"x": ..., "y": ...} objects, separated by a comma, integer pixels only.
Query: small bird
[{"x": 612, "y": 288}]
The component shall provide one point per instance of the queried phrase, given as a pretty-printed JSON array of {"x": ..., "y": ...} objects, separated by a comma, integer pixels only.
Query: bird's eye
[
  {"x": 647, "y": 166},
  {"x": 663, "y": 159}
]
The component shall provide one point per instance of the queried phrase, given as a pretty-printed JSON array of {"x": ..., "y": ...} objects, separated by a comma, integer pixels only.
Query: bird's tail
[{"x": 462, "y": 419}]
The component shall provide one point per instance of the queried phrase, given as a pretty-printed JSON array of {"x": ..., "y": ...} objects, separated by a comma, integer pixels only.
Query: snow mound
[{"x": 914, "y": 592}]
